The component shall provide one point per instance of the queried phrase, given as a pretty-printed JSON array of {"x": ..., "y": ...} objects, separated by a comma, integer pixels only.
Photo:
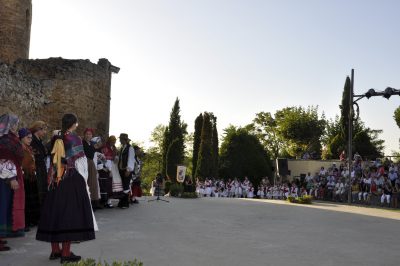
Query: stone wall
[
  {"x": 46, "y": 89},
  {"x": 15, "y": 29},
  {"x": 20, "y": 94}
]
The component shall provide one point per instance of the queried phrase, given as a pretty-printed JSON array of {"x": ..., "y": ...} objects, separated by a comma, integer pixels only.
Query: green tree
[
  {"x": 242, "y": 154},
  {"x": 397, "y": 116},
  {"x": 152, "y": 161},
  {"x": 345, "y": 109},
  {"x": 265, "y": 128},
  {"x": 205, "y": 159},
  {"x": 198, "y": 125},
  {"x": 301, "y": 129},
  {"x": 365, "y": 140},
  {"x": 214, "y": 147},
  {"x": 174, "y": 143}
]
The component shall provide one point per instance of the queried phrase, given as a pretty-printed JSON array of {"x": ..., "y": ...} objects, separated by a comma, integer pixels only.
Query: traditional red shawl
[{"x": 11, "y": 149}]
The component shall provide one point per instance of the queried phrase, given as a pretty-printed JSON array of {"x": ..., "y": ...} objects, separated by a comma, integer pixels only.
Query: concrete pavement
[{"x": 220, "y": 231}]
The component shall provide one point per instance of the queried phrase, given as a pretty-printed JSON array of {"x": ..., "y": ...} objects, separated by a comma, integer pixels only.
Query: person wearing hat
[
  {"x": 126, "y": 166},
  {"x": 32, "y": 206},
  {"x": 92, "y": 181},
  {"x": 39, "y": 131}
]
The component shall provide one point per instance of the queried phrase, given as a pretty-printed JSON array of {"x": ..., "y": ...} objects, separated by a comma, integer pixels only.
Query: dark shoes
[
  {"x": 71, "y": 258},
  {"x": 55, "y": 255},
  {"x": 134, "y": 201},
  {"x": 4, "y": 248},
  {"x": 124, "y": 202},
  {"x": 108, "y": 206},
  {"x": 3, "y": 242}
]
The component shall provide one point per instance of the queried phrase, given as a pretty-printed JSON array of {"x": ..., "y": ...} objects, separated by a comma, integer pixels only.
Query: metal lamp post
[{"x": 389, "y": 91}]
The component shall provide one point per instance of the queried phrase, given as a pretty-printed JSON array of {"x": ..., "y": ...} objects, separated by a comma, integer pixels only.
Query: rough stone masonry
[{"x": 45, "y": 89}]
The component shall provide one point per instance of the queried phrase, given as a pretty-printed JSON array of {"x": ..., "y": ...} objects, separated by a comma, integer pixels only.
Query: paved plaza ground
[{"x": 220, "y": 231}]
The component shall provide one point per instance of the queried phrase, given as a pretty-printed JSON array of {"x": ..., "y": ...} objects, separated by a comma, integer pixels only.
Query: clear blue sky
[{"x": 233, "y": 58}]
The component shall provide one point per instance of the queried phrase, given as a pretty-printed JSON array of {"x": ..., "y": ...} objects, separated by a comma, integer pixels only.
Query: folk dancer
[
  {"x": 106, "y": 174},
  {"x": 126, "y": 166},
  {"x": 67, "y": 213},
  {"x": 12, "y": 220},
  {"x": 39, "y": 131},
  {"x": 32, "y": 204},
  {"x": 93, "y": 181}
]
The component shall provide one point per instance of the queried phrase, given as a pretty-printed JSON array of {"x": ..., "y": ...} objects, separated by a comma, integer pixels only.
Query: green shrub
[
  {"x": 189, "y": 195},
  {"x": 300, "y": 200},
  {"x": 305, "y": 200},
  {"x": 176, "y": 190},
  {"x": 92, "y": 262}
]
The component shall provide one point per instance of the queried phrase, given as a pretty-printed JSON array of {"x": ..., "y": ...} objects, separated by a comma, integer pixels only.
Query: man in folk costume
[
  {"x": 39, "y": 131},
  {"x": 12, "y": 194},
  {"x": 126, "y": 166},
  {"x": 92, "y": 181},
  {"x": 103, "y": 167}
]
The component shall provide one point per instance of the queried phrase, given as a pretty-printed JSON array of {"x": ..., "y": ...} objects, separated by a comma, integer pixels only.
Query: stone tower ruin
[
  {"x": 46, "y": 89},
  {"x": 15, "y": 29}
]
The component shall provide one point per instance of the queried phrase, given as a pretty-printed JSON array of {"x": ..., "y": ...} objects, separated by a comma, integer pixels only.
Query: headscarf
[
  {"x": 7, "y": 121},
  {"x": 95, "y": 140},
  {"x": 23, "y": 132},
  {"x": 111, "y": 139},
  {"x": 37, "y": 125},
  {"x": 88, "y": 130}
]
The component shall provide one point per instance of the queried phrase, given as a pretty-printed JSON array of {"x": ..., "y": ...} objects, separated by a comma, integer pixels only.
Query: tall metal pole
[{"x": 350, "y": 133}]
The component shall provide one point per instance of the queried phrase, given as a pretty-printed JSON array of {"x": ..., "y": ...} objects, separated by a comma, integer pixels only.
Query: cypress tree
[
  {"x": 345, "y": 110},
  {"x": 214, "y": 143},
  {"x": 205, "y": 162},
  {"x": 198, "y": 125},
  {"x": 173, "y": 144}
]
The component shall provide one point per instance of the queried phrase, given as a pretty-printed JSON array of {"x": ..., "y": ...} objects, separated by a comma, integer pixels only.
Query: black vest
[{"x": 123, "y": 158}]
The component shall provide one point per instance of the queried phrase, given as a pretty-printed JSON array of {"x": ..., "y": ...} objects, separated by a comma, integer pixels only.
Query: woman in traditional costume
[
  {"x": 32, "y": 206},
  {"x": 12, "y": 194},
  {"x": 105, "y": 175},
  {"x": 136, "y": 182},
  {"x": 39, "y": 131},
  {"x": 93, "y": 181},
  {"x": 67, "y": 214}
]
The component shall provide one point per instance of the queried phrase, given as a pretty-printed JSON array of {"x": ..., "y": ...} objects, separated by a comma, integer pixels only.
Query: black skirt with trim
[{"x": 66, "y": 214}]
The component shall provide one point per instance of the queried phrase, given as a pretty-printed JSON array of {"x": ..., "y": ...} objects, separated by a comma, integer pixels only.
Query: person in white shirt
[
  {"x": 126, "y": 165},
  {"x": 339, "y": 190},
  {"x": 250, "y": 191}
]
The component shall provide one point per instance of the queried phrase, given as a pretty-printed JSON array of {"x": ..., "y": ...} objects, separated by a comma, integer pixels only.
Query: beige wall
[{"x": 298, "y": 167}]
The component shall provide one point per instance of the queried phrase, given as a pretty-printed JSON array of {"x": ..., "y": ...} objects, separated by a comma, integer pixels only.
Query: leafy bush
[
  {"x": 176, "y": 190},
  {"x": 189, "y": 195},
  {"x": 92, "y": 262},
  {"x": 305, "y": 200},
  {"x": 300, "y": 200}
]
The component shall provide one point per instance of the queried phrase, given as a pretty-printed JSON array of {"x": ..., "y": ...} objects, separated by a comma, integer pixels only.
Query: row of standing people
[{"x": 57, "y": 197}]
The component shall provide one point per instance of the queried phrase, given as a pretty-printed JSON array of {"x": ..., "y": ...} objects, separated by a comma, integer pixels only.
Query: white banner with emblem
[{"x": 180, "y": 173}]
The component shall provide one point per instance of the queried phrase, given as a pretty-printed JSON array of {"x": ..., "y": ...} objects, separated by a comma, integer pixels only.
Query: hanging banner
[{"x": 180, "y": 173}]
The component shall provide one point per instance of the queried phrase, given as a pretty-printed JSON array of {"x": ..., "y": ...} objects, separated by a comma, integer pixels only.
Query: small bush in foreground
[{"x": 300, "y": 200}]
